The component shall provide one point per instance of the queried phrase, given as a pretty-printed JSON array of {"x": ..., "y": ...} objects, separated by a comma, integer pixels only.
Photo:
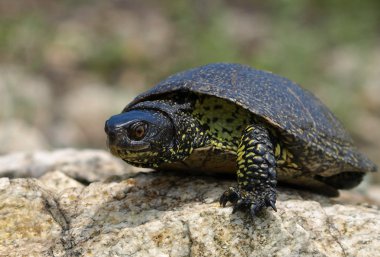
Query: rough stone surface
[
  {"x": 83, "y": 165},
  {"x": 168, "y": 214}
]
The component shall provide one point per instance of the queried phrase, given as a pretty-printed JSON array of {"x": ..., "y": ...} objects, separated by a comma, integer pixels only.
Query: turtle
[{"x": 232, "y": 118}]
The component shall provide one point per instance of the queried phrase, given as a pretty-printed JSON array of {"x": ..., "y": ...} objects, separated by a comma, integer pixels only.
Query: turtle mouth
[
  {"x": 131, "y": 152},
  {"x": 127, "y": 155},
  {"x": 131, "y": 146},
  {"x": 138, "y": 159},
  {"x": 137, "y": 146}
]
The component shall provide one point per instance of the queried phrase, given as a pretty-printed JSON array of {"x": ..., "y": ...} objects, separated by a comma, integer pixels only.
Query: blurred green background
[{"x": 66, "y": 66}]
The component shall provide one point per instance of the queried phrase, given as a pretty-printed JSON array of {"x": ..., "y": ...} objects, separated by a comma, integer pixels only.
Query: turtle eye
[{"x": 137, "y": 131}]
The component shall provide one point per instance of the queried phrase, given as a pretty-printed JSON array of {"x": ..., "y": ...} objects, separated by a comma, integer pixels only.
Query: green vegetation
[
  {"x": 326, "y": 46},
  {"x": 300, "y": 34}
]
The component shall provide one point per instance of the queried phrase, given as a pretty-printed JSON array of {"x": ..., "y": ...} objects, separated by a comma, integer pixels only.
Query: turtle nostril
[{"x": 116, "y": 128}]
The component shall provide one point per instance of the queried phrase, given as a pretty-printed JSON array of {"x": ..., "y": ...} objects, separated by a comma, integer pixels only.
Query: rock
[
  {"x": 371, "y": 196},
  {"x": 29, "y": 222},
  {"x": 83, "y": 165},
  {"x": 57, "y": 181},
  {"x": 169, "y": 214}
]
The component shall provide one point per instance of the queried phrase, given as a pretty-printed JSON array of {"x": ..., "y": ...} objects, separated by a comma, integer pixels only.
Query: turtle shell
[{"x": 298, "y": 115}]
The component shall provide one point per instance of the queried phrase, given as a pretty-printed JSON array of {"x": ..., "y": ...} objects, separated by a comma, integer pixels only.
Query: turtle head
[
  {"x": 140, "y": 137},
  {"x": 150, "y": 133}
]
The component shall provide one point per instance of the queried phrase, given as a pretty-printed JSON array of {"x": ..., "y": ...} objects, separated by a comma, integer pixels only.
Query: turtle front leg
[{"x": 256, "y": 173}]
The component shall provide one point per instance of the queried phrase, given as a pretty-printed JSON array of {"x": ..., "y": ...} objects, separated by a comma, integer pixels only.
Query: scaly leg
[{"x": 256, "y": 173}]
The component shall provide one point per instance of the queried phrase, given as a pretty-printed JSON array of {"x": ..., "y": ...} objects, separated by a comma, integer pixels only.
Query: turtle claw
[
  {"x": 251, "y": 201},
  {"x": 231, "y": 195},
  {"x": 271, "y": 203}
]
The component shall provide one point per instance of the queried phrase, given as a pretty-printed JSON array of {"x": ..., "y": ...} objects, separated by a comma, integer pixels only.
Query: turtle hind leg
[{"x": 343, "y": 180}]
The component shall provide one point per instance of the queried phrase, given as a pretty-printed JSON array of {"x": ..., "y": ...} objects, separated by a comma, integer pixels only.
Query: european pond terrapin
[{"x": 230, "y": 118}]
